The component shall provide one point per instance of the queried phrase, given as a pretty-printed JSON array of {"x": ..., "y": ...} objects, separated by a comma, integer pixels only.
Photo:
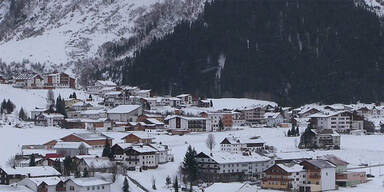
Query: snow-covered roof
[
  {"x": 124, "y": 145},
  {"x": 144, "y": 91},
  {"x": 291, "y": 169},
  {"x": 106, "y": 83},
  {"x": 112, "y": 93},
  {"x": 226, "y": 157},
  {"x": 70, "y": 145},
  {"x": 53, "y": 115},
  {"x": 143, "y": 149},
  {"x": 91, "y": 136},
  {"x": 184, "y": 95},
  {"x": 271, "y": 115},
  {"x": 85, "y": 156},
  {"x": 158, "y": 147},
  {"x": 237, "y": 140},
  {"x": 25, "y": 76},
  {"x": 325, "y": 132},
  {"x": 232, "y": 187},
  {"x": 89, "y": 181},
  {"x": 39, "y": 171},
  {"x": 124, "y": 109},
  {"x": 47, "y": 180},
  {"x": 320, "y": 163},
  {"x": 93, "y": 112},
  {"x": 14, "y": 188},
  {"x": 184, "y": 117},
  {"x": 155, "y": 121},
  {"x": 98, "y": 163}
]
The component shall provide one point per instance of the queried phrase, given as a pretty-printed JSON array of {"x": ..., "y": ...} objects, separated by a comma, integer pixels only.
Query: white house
[
  {"x": 140, "y": 157},
  {"x": 46, "y": 184},
  {"x": 320, "y": 175},
  {"x": 186, "y": 99},
  {"x": 237, "y": 145},
  {"x": 225, "y": 166},
  {"x": 29, "y": 81},
  {"x": 273, "y": 119},
  {"x": 340, "y": 121},
  {"x": 48, "y": 119},
  {"x": 163, "y": 152},
  {"x": 93, "y": 114},
  {"x": 125, "y": 113},
  {"x": 91, "y": 184}
]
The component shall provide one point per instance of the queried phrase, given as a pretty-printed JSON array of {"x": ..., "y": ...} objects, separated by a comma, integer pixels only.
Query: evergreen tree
[
  {"x": 32, "y": 161},
  {"x": 74, "y": 95},
  {"x": 189, "y": 168},
  {"x": 126, "y": 185},
  {"x": 90, "y": 97},
  {"x": 289, "y": 133},
  {"x": 297, "y": 131},
  {"x": 10, "y": 106},
  {"x": 22, "y": 115},
  {"x": 50, "y": 99},
  {"x": 57, "y": 165},
  {"x": 107, "y": 151},
  {"x": 382, "y": 128},
  {"x": 168, "y": 181},
  {"x": 85, "y": 173},
  {"x": 176, "y": 185},
  {"x": 221, "y": 125},
  {"x": 67, "y": 166}
]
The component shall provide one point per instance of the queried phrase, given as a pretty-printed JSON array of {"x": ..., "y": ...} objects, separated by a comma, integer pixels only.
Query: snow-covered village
[
  {"x": 191, "y": 95},
  {"x": 109, "y": 138}
]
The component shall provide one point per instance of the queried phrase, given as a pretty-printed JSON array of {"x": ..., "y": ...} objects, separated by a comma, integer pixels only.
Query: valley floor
[{"x": 355, "y": 150}]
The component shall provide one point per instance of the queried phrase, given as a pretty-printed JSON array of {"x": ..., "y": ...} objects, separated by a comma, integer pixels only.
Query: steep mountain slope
[
  {"x": 293, "y": 52},
  {"x": 58, "y": 32}
]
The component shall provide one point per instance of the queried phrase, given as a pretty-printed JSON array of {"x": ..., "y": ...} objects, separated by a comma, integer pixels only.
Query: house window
[
  {"x": 71, "y": 188},
  {"x": 88, "y": 188}
]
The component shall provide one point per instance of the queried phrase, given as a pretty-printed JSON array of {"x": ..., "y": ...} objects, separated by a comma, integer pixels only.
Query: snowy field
[
  {"x": 31, "y": 98},
  {"x": 355, "y": 149}
]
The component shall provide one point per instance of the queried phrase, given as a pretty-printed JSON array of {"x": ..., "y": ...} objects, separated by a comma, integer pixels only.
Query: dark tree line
[{"x": 290, "y": 51}]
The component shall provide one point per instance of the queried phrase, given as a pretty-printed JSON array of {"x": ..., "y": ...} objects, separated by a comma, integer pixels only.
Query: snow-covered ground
[
  {"x": 31, "y": 98},
  {"x": 355, "y": 149},
  {"x": 70, "y": 30}
]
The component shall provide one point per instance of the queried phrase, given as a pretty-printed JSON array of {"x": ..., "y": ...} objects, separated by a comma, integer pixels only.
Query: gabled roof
[
  {"x": 334, "y": 160},
  {"x": 70, "y": 145},
  {"x": 26, "y": 76},
  {"x": 89, "y": 181},
  {"x": 319, "y": 163},
  {"x": 98, "y": 162},
  {"x": 106, "y": 83},
  {"x": 291, "y": 169},
  {"x": 226, "y": 157},
  {"x": 142, "y": 149},
  {"x": 14, "y": 188},
  {"x": 38, "y": 171},
  {"x": 47, "y": 180},
  {"x": 91, "y": 136},
  {"x": 124, "y": 109}
]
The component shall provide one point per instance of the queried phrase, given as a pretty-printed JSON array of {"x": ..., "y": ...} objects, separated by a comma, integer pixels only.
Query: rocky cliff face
[{"x": 57, "y": 34}]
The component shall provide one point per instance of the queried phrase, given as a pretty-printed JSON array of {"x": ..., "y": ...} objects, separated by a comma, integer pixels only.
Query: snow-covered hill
[{"x": 60, "y": 31}]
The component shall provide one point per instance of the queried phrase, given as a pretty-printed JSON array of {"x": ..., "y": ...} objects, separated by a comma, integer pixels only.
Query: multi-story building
[
  {"x": 186, "y": 99},
  {"x": 217, "y": 118},
  {"x": 59, "y": 80},
  {"x": 320, "y": 175},
  {"x": 224, "y": 166},
  {"x": 253, "y": 114},
  {"x": 285, "y": 177},
  {"x": 12, "y": 175},
  {"x": 341, "y": 121},
  {"x": 240, "y": 146},
  {"x": 138, "y": 157},
  {"x": 91, "y": 184},
  {"x": 29, "y": 81},
  {"x": 194, "y": 124},
  {"x": 125, "y": 113},
  {"x": 321, "y": 138}
]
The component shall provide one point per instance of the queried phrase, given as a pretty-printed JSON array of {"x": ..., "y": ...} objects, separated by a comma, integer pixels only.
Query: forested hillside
[{"x": 291, "y": 51}]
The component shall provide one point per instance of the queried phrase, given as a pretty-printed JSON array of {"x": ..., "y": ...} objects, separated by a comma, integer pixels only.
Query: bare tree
[
  {"x": 50, "y": 99},
  {"x": 11, "y": 162},
  {"x": 210, "y": 142}
]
